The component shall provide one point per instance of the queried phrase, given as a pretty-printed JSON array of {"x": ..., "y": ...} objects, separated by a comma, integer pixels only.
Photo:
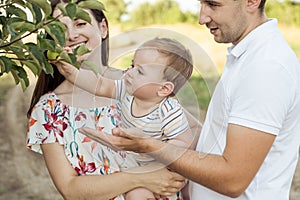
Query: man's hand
[{"x": 131, "y": 139}]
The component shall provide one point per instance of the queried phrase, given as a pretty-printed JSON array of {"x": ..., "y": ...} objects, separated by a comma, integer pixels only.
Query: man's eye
[
  {"x": 140, "y": 72},
  {"x": 212, "y": 4}
]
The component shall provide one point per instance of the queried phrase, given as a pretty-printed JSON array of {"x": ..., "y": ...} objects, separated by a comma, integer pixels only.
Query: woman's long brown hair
[{"x": 46, "y": 82}]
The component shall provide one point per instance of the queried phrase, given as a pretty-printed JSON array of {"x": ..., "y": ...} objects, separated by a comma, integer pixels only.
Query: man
[{"x": 248, "y": 147}]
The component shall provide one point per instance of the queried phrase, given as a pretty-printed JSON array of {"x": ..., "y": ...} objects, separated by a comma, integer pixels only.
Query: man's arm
[{"x": 229, "y": 174}]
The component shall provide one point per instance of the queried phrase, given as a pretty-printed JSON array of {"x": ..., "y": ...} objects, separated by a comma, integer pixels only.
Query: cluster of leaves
[
  {"x": 20, "y": 19},
  {"x": 160, "y": 12},
  {"x": 115, "y": 10},
  {"x": 287, "y": 12}
]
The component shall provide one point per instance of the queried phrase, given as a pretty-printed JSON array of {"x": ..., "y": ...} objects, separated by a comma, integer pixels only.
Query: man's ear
[
  {"x": 252, "y": 5},
  {"x": 166, "y": 89},
  {"x": 104, "y": 28}
]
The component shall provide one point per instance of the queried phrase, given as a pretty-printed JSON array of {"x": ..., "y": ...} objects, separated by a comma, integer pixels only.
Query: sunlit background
[{"x": 24, "y": 175}]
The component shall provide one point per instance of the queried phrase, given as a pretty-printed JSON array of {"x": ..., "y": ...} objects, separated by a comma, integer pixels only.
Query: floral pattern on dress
[{"x": 52, "y": 121}]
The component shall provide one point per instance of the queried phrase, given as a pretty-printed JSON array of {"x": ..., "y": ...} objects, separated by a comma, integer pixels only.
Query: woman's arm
[{"x": 74, "y": 187}]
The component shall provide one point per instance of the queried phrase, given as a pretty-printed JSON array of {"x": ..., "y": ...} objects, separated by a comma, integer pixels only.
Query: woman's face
[{"x": 80, "y": 32}]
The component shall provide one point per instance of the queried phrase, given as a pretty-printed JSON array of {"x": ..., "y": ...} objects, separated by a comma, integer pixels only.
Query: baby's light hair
[{"x": 179, "y": 62}]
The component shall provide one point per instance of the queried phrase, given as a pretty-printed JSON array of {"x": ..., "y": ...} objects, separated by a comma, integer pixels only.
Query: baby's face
[{"x": 146, "y": 76}]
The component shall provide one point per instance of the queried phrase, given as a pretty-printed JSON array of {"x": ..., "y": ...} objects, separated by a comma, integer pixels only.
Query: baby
[{"x": 160, "y": 67}]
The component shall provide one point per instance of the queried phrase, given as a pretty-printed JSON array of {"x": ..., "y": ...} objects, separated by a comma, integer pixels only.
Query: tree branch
[{"x": 26, "y": 35}]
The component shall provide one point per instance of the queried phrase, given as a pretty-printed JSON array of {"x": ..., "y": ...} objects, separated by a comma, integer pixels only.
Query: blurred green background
[{"x": 24, "y": 175}]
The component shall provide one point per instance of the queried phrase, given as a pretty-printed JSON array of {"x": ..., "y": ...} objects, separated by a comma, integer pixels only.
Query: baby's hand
[
  {"x": 67, "y": 70},
  {"x": 79, "y": 58}
]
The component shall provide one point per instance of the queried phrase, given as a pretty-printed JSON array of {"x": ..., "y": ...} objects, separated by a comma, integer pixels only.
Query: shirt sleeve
[
  {"x": 45, "y": 125},
  {"x": 263, "y": 97},
  {"x": 120, "y": 89},
  {"x": 174, "y": 120}
]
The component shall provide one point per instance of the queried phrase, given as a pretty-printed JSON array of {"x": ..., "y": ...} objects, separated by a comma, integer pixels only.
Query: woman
[{"x": 76, "y": 164}]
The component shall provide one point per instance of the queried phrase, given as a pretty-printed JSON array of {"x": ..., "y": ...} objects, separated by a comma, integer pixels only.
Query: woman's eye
[{"x": 81, "y": 24}]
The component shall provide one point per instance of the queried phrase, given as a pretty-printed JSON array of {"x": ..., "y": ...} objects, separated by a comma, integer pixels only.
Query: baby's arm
[
  {"x": 88, "y": 80},
  {"x": 184, "y": 139}
]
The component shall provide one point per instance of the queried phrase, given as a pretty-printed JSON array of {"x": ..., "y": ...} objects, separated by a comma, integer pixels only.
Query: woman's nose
[{"x": 72, "y": 34}]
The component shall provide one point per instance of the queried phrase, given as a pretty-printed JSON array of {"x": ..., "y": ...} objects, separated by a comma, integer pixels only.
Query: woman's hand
[{"x": 162, "y": 181}]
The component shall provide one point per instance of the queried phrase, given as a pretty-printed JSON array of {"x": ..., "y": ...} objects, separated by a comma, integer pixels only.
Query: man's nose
[{"x": 204, "y": 17}]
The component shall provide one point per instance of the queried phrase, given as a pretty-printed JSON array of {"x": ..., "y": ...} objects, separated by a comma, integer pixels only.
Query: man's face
[{"x": 226, "y": 19}]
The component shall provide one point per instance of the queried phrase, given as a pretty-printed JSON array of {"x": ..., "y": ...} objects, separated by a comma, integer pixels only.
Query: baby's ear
[{"x": 166, "y": 89}]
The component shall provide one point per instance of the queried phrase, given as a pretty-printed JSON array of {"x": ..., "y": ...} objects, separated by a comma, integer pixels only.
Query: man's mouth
[{"x": 213, "y": 30}]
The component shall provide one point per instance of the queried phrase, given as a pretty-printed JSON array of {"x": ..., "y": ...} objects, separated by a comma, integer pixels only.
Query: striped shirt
[{"x": 164, "y": 122}]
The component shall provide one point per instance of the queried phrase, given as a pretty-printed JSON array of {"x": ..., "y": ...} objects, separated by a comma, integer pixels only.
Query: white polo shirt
[{"x": 259, "y": 89}]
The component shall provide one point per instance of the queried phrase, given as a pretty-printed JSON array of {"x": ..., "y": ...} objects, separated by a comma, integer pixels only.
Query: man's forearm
[{"x": 209, "y": 170}]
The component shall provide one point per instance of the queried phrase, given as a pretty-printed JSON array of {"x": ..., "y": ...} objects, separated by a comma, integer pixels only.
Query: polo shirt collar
[{"x": 254, "y": 35}]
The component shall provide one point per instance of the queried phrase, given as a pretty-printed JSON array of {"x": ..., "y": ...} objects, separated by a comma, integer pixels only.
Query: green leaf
[
  {"x": 2, "y": 67},
  {"x": 36, "y": 12},
  {"x": 81, "y": 14},
  {"x": 90, "y": 4},
  {"x": 6, "y": 65},
  {"x": 23, "y": 84},
  {"x": 62, "y": 8},
  {"x": 46, "y": 44},
  {"x": 48, "y": 68},
  {"x": 52, "y": 55},
  {"x": 22, "y": 26},
  {"x": 71, "y": 10},
  {"x": 15, "y": 75},
  {"x": 17, "y": 12},
  {"x": 17, "y": 48},
  {"x": 44, "y": 5},
  {"x": 91, "y": 65},
  {"x": 73, "y": 58},
  {"x": 39, "y": 58},
  {"x": 81, "y": 50},
  {"x": 64, "y": 56},
  {"x": 69, "y": 58},
  {"x": 20, "y": 2},
  {"x": 20, "y": 75},
  {"x": 35, "y": 53},
  {"x": 32, "y": 66},
  {"x": 57, "y": 31}
]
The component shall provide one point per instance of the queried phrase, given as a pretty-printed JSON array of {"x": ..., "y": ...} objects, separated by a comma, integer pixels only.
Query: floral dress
[{"x": 52, "y": 121}]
